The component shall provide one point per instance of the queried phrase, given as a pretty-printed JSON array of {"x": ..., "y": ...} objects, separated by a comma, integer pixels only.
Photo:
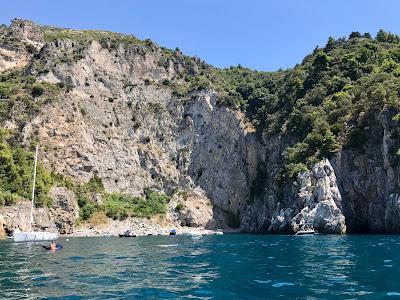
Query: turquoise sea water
[{"x": 231, "y": 266}]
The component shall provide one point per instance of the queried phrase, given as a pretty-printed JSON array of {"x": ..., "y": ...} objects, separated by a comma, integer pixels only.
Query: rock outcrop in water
[
  {"x": 320, "y": 196},
  {"x": 121, "y": 120},
  {"x": 317, "y": 204}
]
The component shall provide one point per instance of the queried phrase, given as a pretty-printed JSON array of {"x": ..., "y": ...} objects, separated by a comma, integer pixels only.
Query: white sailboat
[{"x": 32, "y": 236}]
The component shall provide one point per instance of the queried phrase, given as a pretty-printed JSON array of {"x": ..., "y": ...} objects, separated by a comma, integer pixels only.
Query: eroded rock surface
[
  {"x": 122, "y": 121},
  {"x": 64, "y": 210},
  {"x": 392, "y": 214},
  {"x": 317, "y": 204},
  {"x": 194, "y": 209},
  {"x": 18, "y": 216}
]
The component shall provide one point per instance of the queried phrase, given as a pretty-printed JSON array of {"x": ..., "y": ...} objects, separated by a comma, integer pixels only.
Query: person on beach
[{"x": 52, "y": 246}]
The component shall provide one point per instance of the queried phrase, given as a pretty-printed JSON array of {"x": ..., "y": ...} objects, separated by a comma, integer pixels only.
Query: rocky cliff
[{"x": 118, "y": 116}]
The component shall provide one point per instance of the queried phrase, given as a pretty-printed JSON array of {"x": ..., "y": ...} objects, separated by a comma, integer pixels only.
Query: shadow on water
[{"x": 222, "y": 267}]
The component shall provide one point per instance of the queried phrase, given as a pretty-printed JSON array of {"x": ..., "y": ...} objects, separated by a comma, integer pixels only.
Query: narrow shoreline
[{"x": 163, "y": 232}]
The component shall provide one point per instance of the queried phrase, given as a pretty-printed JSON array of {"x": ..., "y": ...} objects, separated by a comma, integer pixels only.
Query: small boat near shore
[
  {"x": 128, "y": 234},
  {"x": 306, "y": 230}
]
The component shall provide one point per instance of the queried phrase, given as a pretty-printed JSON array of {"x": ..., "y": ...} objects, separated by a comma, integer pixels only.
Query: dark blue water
[{"x": 212, "y": 267}]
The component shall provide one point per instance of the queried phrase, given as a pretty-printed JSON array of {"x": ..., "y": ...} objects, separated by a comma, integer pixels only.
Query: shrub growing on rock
[
  {"x": 7, "y": 198},
  {"x": 87, "y": 210},
  {"x": 16, "y": 169},
  {"x": 37, "y": 90},
  {"x": 179, "y": 207}
]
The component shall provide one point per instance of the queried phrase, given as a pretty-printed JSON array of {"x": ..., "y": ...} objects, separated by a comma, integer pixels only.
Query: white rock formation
[{"x": 320, "y": 200}]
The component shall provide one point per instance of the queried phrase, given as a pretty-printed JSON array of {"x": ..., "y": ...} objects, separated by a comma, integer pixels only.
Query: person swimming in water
[{"x": 53, "y": 246}]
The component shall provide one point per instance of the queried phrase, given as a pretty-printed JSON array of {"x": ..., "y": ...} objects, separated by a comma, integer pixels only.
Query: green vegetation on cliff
[
  {"x": 118, "y": 206},
  {"x": 334, "y": 99},
  {"x": 115, "y": 205},
  {"x": 16, "y": 171},
  {"x": 327, "y": 102},
  {"x": 107, "y": 38},
  {"x": 21, "y": 97}
]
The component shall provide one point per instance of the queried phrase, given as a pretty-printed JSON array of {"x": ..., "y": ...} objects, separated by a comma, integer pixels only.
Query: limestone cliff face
[
  {"x": 369, "y": 178},
  {"x": 120, "y": 122}
]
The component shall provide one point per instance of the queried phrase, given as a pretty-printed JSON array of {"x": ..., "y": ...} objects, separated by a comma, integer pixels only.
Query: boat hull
[
  {"x": 308, "y": 232},
  {"x": 34, "y": 236},
  {"x": 127, "y": 235}
]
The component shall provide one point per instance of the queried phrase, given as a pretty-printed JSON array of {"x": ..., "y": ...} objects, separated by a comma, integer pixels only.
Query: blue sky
[{"x": 260, "y": 34}]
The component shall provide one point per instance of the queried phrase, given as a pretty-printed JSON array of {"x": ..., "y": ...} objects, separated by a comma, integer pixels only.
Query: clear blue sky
[{"x": 261, "y": 34}]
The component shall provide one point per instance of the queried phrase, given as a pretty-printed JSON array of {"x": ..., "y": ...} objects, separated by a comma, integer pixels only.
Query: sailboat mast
[{"x": 33, "y": 185}]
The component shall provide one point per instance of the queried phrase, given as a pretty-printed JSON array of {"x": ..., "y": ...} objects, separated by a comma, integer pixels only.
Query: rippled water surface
[{"x": 235, "y": 266}]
